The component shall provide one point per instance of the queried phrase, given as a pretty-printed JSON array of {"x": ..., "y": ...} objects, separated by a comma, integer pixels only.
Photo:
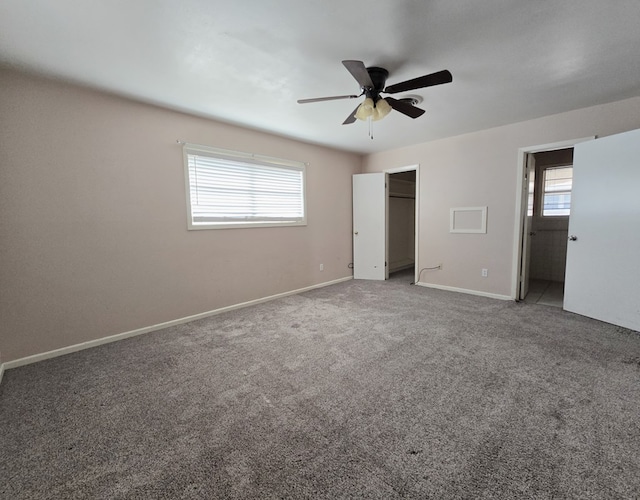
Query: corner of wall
[{"x": 363, "y": 163}]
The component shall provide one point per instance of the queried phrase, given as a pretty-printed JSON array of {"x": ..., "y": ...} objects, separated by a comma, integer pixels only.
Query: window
[
  {"x": 228, "y": 189},
  {"x": 557, "y": 183}
]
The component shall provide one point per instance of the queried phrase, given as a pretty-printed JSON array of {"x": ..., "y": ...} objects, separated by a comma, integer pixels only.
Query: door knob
[{"x": 573, "y": 238}]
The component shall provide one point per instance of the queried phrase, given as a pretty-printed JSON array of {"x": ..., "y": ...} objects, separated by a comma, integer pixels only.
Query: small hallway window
[{"x": 557, "y": 184}]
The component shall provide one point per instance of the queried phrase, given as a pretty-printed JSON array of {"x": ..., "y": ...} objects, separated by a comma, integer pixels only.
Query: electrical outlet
[
  {"x": 321, "y": 267},
  {"x": 485, "y": 273}
]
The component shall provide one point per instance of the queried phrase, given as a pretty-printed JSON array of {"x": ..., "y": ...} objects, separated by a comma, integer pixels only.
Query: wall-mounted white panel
[{"x": 468, "y": 220}]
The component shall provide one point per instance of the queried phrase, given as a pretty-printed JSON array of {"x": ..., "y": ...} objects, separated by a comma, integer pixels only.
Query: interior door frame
[
  {"x": 527, "y": 222},
  {"x": 410, "y": 168},
  {"x": 521, "y": 205}
]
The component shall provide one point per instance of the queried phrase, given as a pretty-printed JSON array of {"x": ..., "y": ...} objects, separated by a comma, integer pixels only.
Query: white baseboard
[
  {"x": 147, "y": 329},
  {"x": 1, "y": 371},
  {"x": 464, "y": 290}
]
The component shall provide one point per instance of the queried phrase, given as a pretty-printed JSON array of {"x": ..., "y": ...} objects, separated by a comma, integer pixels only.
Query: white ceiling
[{"x": 248, "y": 61}]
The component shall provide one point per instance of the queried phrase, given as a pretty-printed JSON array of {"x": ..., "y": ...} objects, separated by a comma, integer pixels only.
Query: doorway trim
[
  {"x": 411, "y": 168},
  {"x": 521, "y": 207}
]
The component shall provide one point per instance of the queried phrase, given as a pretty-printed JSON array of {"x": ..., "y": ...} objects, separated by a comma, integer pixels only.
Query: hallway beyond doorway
[{"x": 548, "y": 293}]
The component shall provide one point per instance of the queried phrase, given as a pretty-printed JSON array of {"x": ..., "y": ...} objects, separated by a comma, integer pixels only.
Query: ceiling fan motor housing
[{"x": 378, "y": 77}]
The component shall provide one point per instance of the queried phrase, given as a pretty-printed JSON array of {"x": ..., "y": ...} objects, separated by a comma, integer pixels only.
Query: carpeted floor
[{"x": 357, "y": 390}]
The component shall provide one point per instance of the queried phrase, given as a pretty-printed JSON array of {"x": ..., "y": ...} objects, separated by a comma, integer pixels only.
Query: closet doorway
[
  {"x": 402, "y": 222},
  {"x": 385, "y": 223}
]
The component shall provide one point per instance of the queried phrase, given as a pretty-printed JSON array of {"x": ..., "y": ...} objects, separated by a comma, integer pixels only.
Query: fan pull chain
[{"x": 370, "y": 128}]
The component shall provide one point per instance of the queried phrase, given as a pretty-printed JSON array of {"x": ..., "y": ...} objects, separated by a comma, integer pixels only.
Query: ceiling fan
[{"x": 372, "y": 83}]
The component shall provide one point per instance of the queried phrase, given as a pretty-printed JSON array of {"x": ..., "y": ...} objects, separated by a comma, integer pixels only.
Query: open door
[
  {"x": 529, "y": 184},
  {"x": 370, "y": 226},
  {"x": 603, "y": 272}
]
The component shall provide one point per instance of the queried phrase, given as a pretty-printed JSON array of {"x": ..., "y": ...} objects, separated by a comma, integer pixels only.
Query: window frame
[
  {"x": 543, "y": 192},
  {"x": 247, "y": 158}
]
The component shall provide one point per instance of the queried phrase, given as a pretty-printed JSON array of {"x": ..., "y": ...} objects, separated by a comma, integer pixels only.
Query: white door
[
  {"x": 370, "y": 226},
  {"x": 603, "y": 253},
  {"x": 527, "y": 200}
]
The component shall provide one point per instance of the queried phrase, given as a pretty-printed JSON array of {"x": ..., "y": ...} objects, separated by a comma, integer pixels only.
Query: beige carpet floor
[{"x": 357, "y": 390}]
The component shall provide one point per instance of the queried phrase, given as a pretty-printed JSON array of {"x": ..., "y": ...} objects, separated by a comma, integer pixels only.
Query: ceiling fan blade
[
  {"x": 332, "y": 98},
  {"x": 438, "y": 78},
  {"x": 404, "y": 107},
  {"x": 352, "y": 117},
  {"x": 359, "y": 72}
]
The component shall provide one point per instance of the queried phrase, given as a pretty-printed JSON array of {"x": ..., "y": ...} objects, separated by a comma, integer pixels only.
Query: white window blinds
[
  {"x": 230, "y": 189},
  {"x": 558, "y": 182}
]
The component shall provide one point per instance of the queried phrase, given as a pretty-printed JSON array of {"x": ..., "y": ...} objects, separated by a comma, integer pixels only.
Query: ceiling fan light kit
[
  {"x": 376, "y": 111},
  {"x": 365, "y": 110},
  {"x": 382, "y": 109},
  {"x": 372, "y": 82}
]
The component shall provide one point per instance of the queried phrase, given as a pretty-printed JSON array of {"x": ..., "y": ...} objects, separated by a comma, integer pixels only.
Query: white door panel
[
  {"x": 603, "y": 262},
  {"x": 369, "y": 226}
]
